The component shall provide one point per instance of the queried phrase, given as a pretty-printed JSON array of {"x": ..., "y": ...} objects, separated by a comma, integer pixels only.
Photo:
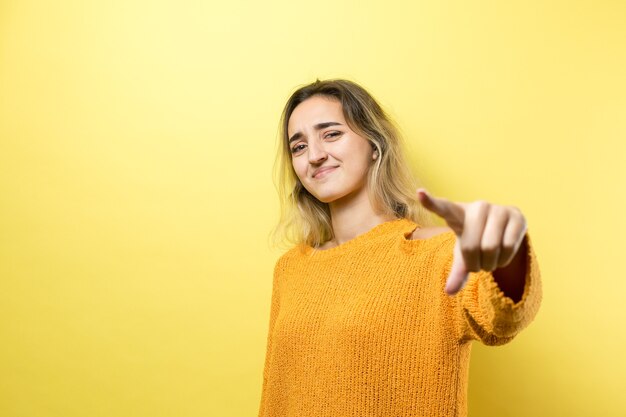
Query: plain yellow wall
[{"x": 136, "y": 145}]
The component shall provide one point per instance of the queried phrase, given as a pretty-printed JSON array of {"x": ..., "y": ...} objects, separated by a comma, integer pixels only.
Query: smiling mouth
[{"x": 324, "y": 172}]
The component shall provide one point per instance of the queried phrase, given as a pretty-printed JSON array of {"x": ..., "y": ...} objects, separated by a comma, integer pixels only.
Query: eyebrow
[{"x": 318, "y": 126}]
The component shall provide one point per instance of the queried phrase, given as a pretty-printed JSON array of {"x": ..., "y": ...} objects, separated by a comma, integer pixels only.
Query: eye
[{"x": 297, "y": 148}]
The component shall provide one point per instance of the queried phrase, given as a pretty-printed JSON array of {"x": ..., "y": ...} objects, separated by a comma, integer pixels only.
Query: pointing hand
[{"x": 488, "y": 235}]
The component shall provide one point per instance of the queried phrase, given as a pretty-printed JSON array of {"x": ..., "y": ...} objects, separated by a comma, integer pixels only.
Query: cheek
[{"x": 299, "y": 169}]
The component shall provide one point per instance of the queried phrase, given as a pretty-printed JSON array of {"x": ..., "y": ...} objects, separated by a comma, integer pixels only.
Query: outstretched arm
[{"x": 494, "y": 264}]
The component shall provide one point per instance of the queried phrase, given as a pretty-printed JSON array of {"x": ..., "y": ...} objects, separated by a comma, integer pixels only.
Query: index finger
[{"x": 451, "y": 212}]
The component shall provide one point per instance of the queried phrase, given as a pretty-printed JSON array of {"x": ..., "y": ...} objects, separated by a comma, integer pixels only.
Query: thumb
[{"x": 458, "y": 273}]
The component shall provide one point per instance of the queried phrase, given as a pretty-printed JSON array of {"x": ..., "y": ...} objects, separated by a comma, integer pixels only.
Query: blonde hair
[{"x": 391, "y": 184}]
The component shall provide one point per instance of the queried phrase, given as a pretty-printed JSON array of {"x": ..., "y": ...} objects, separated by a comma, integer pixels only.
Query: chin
[
  {"x": 324, "y": 198},
  {"x": 329, "y": 192},
  {"x": 328, "y": 197}
]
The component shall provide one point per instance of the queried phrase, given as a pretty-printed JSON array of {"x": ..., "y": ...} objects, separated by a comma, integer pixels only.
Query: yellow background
[{"x": 136, "y": 146}]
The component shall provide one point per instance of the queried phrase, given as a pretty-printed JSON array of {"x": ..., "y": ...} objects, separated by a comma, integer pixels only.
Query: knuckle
[
  {"x": 482, "y": 204},
  {"x": 517, "y": 213},
  {"x": 508, "y": 246},
  {"x": 490, "y": 248},
  {"x": 498, "y": 209},
  {"x": 475, "y": 207}
]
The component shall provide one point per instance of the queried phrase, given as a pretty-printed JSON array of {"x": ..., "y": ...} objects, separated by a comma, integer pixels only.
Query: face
[{"x": 320, "y": 138}]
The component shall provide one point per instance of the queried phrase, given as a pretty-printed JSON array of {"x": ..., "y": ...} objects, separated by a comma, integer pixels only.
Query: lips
[{"x": 322, "y": 171}]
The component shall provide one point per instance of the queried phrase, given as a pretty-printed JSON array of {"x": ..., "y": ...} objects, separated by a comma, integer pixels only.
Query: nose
[{"x": 317, "y": 153}]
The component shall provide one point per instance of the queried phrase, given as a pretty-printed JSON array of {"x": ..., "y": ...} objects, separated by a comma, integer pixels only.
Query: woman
[{"x": 373, "y": 308}]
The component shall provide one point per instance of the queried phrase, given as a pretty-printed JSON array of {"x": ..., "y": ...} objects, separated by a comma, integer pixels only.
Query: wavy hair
[{"x": 391, "y": 184}]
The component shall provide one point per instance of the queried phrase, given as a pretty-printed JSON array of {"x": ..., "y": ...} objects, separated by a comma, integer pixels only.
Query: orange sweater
[{"x": 366, "y": 329}]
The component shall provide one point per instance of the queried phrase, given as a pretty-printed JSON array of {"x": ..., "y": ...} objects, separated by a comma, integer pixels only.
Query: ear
[{"x": 375, "y": 154}]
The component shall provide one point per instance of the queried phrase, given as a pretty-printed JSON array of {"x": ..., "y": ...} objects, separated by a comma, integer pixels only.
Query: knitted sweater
[{"x": 366, "y": 329}]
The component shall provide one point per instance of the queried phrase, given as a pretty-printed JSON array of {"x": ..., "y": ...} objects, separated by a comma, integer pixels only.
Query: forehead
[{"x": 315, "y": 110}]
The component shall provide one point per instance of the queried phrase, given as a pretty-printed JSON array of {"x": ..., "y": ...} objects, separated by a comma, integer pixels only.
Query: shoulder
[
  {"x": 428, "y": 232},
  {"x": 293, "y": 253}
]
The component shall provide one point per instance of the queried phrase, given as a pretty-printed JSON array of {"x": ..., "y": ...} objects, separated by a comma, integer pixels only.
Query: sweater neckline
[{"x": 389, "y": 226}]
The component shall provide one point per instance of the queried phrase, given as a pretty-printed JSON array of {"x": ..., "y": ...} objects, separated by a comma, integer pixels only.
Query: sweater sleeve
[
  {"x": 274, "y": 308},
  {"x": 484, "y": 313}
]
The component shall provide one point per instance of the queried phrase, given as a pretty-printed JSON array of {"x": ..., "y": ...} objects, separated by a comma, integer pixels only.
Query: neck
[{"x": 353, "y": 215}]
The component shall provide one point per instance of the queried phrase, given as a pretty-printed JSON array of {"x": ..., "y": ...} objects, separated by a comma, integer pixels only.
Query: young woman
[{"x": 374, "y": 308}]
